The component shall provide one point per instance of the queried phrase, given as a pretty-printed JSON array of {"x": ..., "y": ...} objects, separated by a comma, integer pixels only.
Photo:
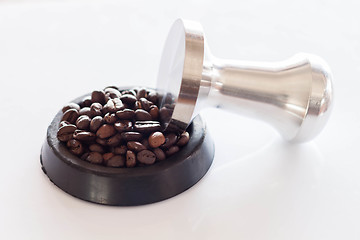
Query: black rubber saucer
[{"x": 127, "y": 186}]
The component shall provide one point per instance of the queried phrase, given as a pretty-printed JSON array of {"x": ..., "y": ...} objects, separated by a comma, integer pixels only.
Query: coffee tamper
[{"x": 294, "y": 96}]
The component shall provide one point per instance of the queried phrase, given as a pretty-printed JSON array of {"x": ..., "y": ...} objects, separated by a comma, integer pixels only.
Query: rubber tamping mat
[{"x": 127, "y": 186}]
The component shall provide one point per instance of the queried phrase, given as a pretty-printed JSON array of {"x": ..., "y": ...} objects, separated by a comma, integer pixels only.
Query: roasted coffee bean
[
  {"x": 110, "y": 118},
  {"x": 184, "y": 139},
  {"x": 130, "y": 159},
  {"x": 131, "y": 136},
  {"x": 107, "y": 156},
  {"x": 145, "y": 142},
  {"x": 146, "y": 157},
  {"x": 145, "y": 104},
  {"x": 70, "y": 115},
  {"x": 114, "y": 140},
  {"x": 96, "y": 148},
  {"x": 165, "y": 114},
  {"x": 63, "y": 123},
  {"x": 84, "y": 136},
  {"x": 86, "y": 111},
  {"x": 173, "y": 149},
  {"x": 152, "y": 97},
  {"x": 120, "y": 150},
  {"x": 75, "y": 146},
  {"x": 135, "y": 146},
  {"x": 126, "y": 123},
  {"x": 170, "y": 139},
  {"x": 128, "y": 99},
  {"x": 147, "y": 126},
  {"x": 102, "y": 142},
  {"x": 123, "y": 126},
  {"x": 154, "y": 112},
  {"x": 160, "y": 155},
  {"x": 71, "y": 106},
  {"x": 95, "y": 109},
  {"x": 112, "y": 92},
  {"x": 109, "y": 107},
  {"x": 98, "y": 97},
  {"x": 86, "y": 102},
  {"x": 141, "y": 93},
  {"x": 126, "y": 114},
  {"x": 156, "y": 139},
  {"x": 105, "y": 131},
  {"x": 95, "y": 123},
  {"x": 116, "y": 161},
  {"x": 131, "y": 92},
  {"x": 83, "y": 122},
  {"x": 65, "y": 133},
  {"x": 142, "y": 115},
  {"x": 94, "y": 157}
]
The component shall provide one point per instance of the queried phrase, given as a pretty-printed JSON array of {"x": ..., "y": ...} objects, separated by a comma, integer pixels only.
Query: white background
[{"x": 258, "y": 186}]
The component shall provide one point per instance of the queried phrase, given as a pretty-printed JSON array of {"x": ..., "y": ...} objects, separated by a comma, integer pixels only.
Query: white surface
[{"x": 258, "y": 186}]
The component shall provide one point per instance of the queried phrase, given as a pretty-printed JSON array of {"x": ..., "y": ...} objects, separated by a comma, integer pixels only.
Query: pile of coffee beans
[{"x": 118, "y": 128}]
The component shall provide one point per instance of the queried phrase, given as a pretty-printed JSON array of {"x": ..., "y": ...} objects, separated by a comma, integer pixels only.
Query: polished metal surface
[{"x": 294, "y": 96}]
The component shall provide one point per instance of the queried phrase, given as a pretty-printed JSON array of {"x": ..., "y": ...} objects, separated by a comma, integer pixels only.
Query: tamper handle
[{"x": 294, "y": 96}]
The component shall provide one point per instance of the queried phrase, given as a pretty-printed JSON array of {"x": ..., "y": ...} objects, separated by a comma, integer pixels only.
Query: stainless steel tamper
[{"x": 294, "y": 96}]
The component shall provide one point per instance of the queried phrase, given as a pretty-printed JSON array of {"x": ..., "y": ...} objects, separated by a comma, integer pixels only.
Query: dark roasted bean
[
  {"x": 128, "y": 99},
  {"x": 63, "y": 123},
  {"x": 173, "y": 149},
  {"x": 98, "y": 97},
  {"x": 165, "y": 114},
  {"x": 131, "y": 92},
  {"x": 114, "y": 140},
  {"x": 123, "y": 126},
  {"x": 84, "y": 136},
  {"x": 65, "y": 133},
  {"x": 126, "y": 114},
  {"x": 145, "y": 142},
  {"x": 145, "y": 104},
  {"x": 120, "y": 150},
  {"x": 102, "y": 142},
  {"x": 75, "y": 146},
  {"x": 170, "y": 139},
  {"x": 70, "y": 115},
  {"x": 160, "y": 155},
  {"x": 83, "y": 122},
  {"x": 86, "y": 111},
  {"x": 116, "y": 161},
  {"x": 109, "y": 107},
  {"x": 130, "y": 159},
  {"x": 110, "y": 118},
  {"x": 142, "y": 115},
  {"x": 86, "y": 102},
  {"x": 154, "y": 112},
  {"x": 84, "y": 156},
  {"x": 112, "y": 92},
  {"x": 156, "y": 139},
  {"x": 135, "y": 146},
  {"x": 141, "y": 93},
  {"x": 95, "y": 123},
  {"x": 96, "y": 148},
  {"x": 147, "y": 126},
  {"x": 95, "y": 109},
  {"x": 184, "y": 139},
  {"x": 137, "y": 105},
  {"x": 131, "y": 136},
  {"x": 107, "y": 156},
  {"x": 94, "y": 157},
  {"x": 71, "y": 106},
  {"x": 105, "y": 131},
  {"x": 146, "y": 157},
  {"x": 153, "y": 97}
]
